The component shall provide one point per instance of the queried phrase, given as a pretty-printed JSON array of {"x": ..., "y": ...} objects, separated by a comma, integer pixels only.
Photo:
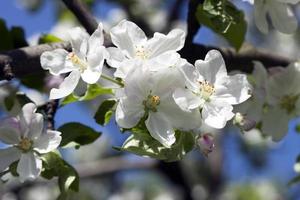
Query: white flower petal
[
  {"x": 29, "y": 166},
  {"x": 47, "y": 142},
  {"x": 55, "y": 61},
  {"x": 129, "y": 112},
  {"x": 216, "y": 113},
  {"x": 167, "y": 60},
  {"x": 282, "y": 17},
  {"x": 36, "y": 126},
  {"x": 126, "y": 35},
  {"x": 260, "y": 74},
  {"x": 96, "y": 58},
  {"x": 161, "y": 43},
  {"x": 234, "y": 89},
  {"x": 186, "y": 100},
  {"x": 275, "y": 123},
  {"x": 160, "y": 129},
  {"x": 10, "y": 131},
  {"x": 66, "y": 87},
  {"x": 26, "y": 115},
  {"x": 213, "y": 67},
  {"x": 116, "y": 57},
  {"x": 278, "y": 86},
  {"x": 191, "y": 76},
  {"x": 90, "y": 76},
  {"x": 97, "y": 38},
  {"x": 79, "y": 41},
  {"x": 177, "y": 117},
  {"x": 260, "y": 15},
  {"x": 8, "y": 156}
]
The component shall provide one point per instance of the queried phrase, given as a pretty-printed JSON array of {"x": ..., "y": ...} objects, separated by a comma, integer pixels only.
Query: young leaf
[
  {"x": 92, "y": 92},
  {"x": 54, "y": 165},
  {"x": 141, "y": 143},
  {"x": 48, "y": 38},
  {"x": 225, "y": 19},
  {"x": 79, "y": 133},
  {"x": 104, "y": 112}
]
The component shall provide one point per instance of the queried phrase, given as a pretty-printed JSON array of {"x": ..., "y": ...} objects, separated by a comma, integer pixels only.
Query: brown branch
[
  {"x": 83, "y": 15},
  {"x": 242, "y": 60},
  {"x": 25, "y": 61}
]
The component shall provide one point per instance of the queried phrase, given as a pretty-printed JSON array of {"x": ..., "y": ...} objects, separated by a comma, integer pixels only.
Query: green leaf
[
  {"x": 49, "y": 38},
  {"x": 18, "y": 37},
  {"x": 225, "y": 19},
  {"x": 141, "y": 143},
  {"x": 79, "y": 133},
  {"x": 92, "y": 92},
  {"x": 55, "y": 166},
  {"x": 104, "y": 112},
  {"x": 9, "y": 102},
  {"x": 13, "y": 168},
  {"x": 6, "y": 42},
  {"x": 295, "y": 180}
]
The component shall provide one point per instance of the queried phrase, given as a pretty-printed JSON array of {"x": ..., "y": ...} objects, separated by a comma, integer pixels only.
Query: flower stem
[{"x": 112, "y": 80}]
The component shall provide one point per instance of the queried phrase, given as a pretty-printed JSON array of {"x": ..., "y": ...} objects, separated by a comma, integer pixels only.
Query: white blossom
[
  {"x": 27, "y": 139},
  {"x": 149, "y": 94},
  {"x": 86, "y": 61},
  {"x": 283, "y": 100},
  {"x": 211, "y": 91},
  {"x": 280, "y": 13},
  {"x": 253, "y": 108},
  {"x": 132, "y": 44}
]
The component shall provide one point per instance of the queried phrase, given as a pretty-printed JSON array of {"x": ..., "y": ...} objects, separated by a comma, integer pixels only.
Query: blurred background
[{"x": 241, "y": 167}]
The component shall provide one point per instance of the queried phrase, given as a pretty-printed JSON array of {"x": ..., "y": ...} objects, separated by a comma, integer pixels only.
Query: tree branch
[
  {"x": 242, "y": 60},
  {"x": 83, "y": 15},
  {"x": 25, "y": 61}
]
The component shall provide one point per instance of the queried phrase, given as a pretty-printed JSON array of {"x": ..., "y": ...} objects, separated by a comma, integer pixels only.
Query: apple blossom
[
  {"x": 283, "y": 100},
  {"x": 132, "y": 44},
  {"x": 149, "y": 94},
  {"x": 211, "y": 91},
  {"x": 280, "y": 13},
  {"x": 86, "y": 61},
  {"x": 253, "y": 108},
  {"x": 27, "y": 139}
]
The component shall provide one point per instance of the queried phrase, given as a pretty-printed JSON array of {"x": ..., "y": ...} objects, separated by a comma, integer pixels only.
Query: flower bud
[
  {"x": 206, "y": 143},
  {"x": 243, "y": 122}
]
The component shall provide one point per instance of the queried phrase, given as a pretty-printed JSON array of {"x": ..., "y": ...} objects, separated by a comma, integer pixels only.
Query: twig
[{"x": 82, "y": 14}]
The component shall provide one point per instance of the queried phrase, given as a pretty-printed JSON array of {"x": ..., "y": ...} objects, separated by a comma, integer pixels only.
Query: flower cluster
[
  {"x": 161, "y": 90},
  {"x": 27, "y": 140},
  {"x": 280, "y": 13},
  {"x": 275, "y": 99}
]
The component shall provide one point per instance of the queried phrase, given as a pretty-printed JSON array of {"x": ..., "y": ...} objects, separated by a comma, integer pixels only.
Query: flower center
[
  {"x": 152, "y": 102},
  {"x": 206, "y": 89},
  {"x": 82, "y": 65},
  {"x": 288, "y": 103},
  {"x": 25, "y": 144},
  {"x": 141, "y": 52}
]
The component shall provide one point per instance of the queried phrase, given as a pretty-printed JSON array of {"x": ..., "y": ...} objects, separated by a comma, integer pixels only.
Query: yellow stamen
[
  {"x": 207, "y": 89},
  {"x": 152, "y": 102},
  {"x": 77, "y": 61},
  {"x": 288, "y": 103},
  {"x": 25, "y": 144}
]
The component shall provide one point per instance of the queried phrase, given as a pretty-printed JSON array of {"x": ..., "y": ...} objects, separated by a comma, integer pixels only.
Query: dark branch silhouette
[{"x": 82, "y": 14}]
